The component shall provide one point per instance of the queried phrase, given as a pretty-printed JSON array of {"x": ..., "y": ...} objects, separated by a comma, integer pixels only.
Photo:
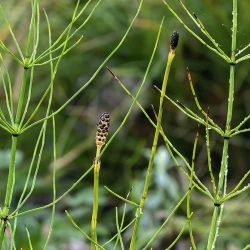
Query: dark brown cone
[
  {"x": 174, "y": 40},
  {"x": 102, "y": 129}
]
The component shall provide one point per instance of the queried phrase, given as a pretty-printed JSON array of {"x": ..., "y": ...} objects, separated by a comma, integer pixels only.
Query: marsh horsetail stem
[
  {"x": 173, "y": 44},
  {"x": 101, "y": 136}
]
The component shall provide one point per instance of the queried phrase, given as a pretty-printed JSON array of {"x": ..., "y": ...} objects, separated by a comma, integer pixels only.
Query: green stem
[
  {"x": 32, "y": 32},
  {"x": 9, "y": 190},
  {"x": 97, "y": 165},
  {"x": 153, "y": 151},
  {"x": 224, "y": 162},
  {"x": 221, "y": 191},
  {"x": 85, "y": 85},
  {"x": 189, "y": 213},
  {"x": 21, "y": 95},
  {"x": 214, "y": 227}
]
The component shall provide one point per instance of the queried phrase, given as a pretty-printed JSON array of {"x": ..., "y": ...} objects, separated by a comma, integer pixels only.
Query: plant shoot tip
[
  {"x": 174, "y": 40},
  {"x": 102, "y": 129}
]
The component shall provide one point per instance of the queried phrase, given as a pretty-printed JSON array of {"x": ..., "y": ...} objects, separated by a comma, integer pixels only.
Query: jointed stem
[
  {"x": 221, "y": 190},
  {"x": 9, "y": 190},
  {"x": 153, "y": 150},
  {"x": 224, "y": 162}
]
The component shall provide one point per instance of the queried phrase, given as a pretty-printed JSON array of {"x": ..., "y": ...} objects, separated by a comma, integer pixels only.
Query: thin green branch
[
  {"x": 119, "y": 228},
  {"x": 199, "y": 185},
  {"x": 240, "y": 132},
  {"x": 33, "y": 183},
  {"x": 210, "y": 169},
  {"x": 55, "y": 68},
  {"x": 26, "y": 126},
  {"x": 36, "y": 33},
  {"x": 31, "y": 33},
  {"x": 81, "y": 231},
  {"x": 13, "y": 37},
  {"x": 202, "y": 28},
  {"x": 178, "y": 237},
  {"x": 29, "y": 239},
  {"x": 235, "y": 189},
  {"x": 13, "y": 215},
  {"x": 194, "y": 34},
  {"x": 119, "y": 236},
  {"x": 121, "y": 198},
  {"x": 8, "y": 90},
  {"x": 240, "y": 124},
  {"x": 74, "y": 19},
  {"x": 40, "y": 137},
  {"x": 63, "y": 54},
  {"x": 7, "y": 98},
  {"x": 166, "y": 221},
  {"x": 122, "y": 230},
  {"x": 243, "y": 58},
  {"x": 209, "y": 120},
  {"x": 139, "y": 89},
  {"x": 52, "y": 220},
  {"x": 184, "y": 109},
  {"x": 22, "y": 200},
  {"x": 242, "y": 50},
  {"x": 5, "y": 125},
  {"x": 169, "y": 145},
  {"x": 231, "y": 195},
  {"x": 189, "y": 213},
  {"x": 5, "y": 49}
]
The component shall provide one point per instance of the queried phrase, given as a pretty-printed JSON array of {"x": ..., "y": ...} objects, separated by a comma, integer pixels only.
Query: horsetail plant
[
  {"x": 173, "y": 45},
  {"x": 219, "y": 192},
  {"x": 20, "y": 114},
  {"x": 101, "y": 137},
  {"x": 17, "y": 118}
]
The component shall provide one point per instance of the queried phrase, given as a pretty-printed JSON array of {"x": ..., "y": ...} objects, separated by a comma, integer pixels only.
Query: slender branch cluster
[{"x": 102, "y": 129}]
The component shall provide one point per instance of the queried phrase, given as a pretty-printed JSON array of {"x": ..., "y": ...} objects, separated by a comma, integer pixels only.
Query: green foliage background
[{"x": 125, "y": 161}]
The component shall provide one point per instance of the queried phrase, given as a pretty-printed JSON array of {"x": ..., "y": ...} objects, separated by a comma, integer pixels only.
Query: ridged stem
[
  {"x": 21, "y": 95},
  {"x": 221, "y": 191},
  {"x": 9, "y": 190},
  {"x": 97, "y": 165},
  {"x": 153, "y": 151}
]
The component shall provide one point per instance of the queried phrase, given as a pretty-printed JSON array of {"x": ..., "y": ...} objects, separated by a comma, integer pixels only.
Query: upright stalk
[
  {"x": 21, "y": 96},
  {"x": 174, "y": 42},
  {"x": 9, "y": 190},
  {"x": 101, "y": 136},
  {"x": 4, "y": 213},
  {"x": 97, "y": 165},
  {"x": 221, "y": 191}
]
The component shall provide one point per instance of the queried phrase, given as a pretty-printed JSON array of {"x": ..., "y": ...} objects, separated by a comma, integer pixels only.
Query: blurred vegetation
[{"x": 125, "y": 161}]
